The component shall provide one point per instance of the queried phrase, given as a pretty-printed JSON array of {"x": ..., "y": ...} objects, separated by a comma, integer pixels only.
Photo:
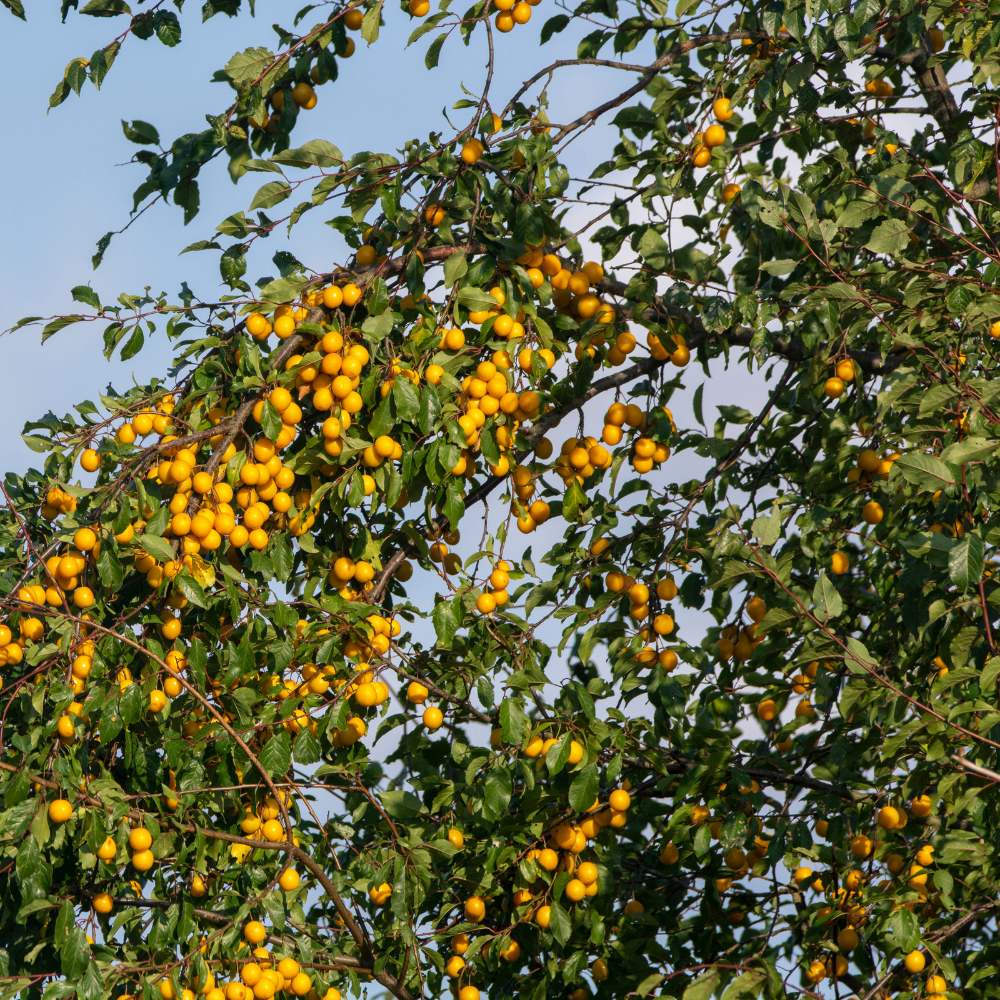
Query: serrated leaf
[
  {"x": 559, "y": 923},
  {"x": 455, "y": 267},
  {"x": 276, "y": 755},
  {"x": 965, "y": 562},
  {"x": 925, "y": 471},
  {"x": 270, "y": 421},
  {"x": 158, "y": 548},
  {"x": 106, "y": 8},
  {"x": 191, "y": 589},
  {"x": 248, "y": 65},
  {"x": 447, "y": 617},
  {"x": 827, "y": 602},
  {"x": 513, "y": 720},
  {"x": 703, "y": 987},
  {"x": 905, "y": 928},
  {"x": 890, "y": 236},
  {"x": 583, "y": 789},
  {"x": 370, "y": 24},
  {"x": 270, "y": 194},
  {"x": 767, "y": 527}
]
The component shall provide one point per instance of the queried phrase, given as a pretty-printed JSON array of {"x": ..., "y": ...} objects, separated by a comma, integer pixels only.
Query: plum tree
[{"x": 244, "y": 750}]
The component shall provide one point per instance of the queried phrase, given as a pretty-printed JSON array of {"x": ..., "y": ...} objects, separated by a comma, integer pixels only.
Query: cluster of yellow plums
[
  {"x": 302, "y": 92},
  {"x": 714, "y": 135},
  {"x": 849, "y": 898},
  {"x": 30, "y": 629},
  {"x": 511, "y": 12}
]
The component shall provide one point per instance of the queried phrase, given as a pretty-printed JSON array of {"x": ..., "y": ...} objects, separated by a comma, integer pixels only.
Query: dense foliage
[{"x": 210, "y": 602}]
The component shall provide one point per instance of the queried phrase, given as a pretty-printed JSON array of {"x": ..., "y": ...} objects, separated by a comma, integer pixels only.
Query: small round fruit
[
  {"x": 140, "y": 839},
  {"x": 289, "y": 880},
  {"x": 433, "y": 717},
  {"x": 722, "y": 110},
  {"x": 715, "y": 135},
  {"x": 255, "y": 932},
  {"x": 620, "y": 800},
  {"x": 872, "y": 512},
  {"x": 767, "y": 710},
  {"x": 103, "y": 903},
  {"x": 888, "y": 817},
  {"x": 142, "y": 861},
  {"x": 915, "y": 962},
  {"x": 839, "y": 564},
  {"x": 60, "y": 810}
]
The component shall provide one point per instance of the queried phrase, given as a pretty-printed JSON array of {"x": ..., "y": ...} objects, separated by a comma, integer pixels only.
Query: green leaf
[
  {"x": 134, "y": 344},
  {"x": 767, "y": 527},
  {"x": 15, "y": 7},
  {"x": 434, "y": 52},
  {"x": 573, "y": 499},
  {"x": 559, "y": 923},
  {"x": 140, "y": 132},
  {"x": 746, "y": 986},
  {"x": 131, "y": 704},
  {"x": 889, "y": 237},
  {"x": 316, "y": 152},
  {"x": 270, "y": 421},
  {"x": 307, "y": 748},
  {"x": 106, "y": 8},
  {"x": 905, "y": 928},
  {"x": 430, "y": 409},
  {"x": 988, "y": 678},
  {"x": 406, "y": 397},
  {"x": 513, "y": 720},
  {"x": 158, "y": 548},
  {"x": 447, "y": 617},
  {"x": 248, "y": 65},
  {"x": 497, "y": 790},
  {"x": 74, "y": 955},
  {"x": 168, "y": 28},
  {"x": 529, "y": 224},
  {"x": 401, "y": 804},
  {"x": 62, "y": 91},
  {"x": 965, "y": 563},
  {"x": 233, "y": 265},
  {"x": 475, "y": 298},
  {"x": 924, "y": 471},
  {"x": 191, "y": 589},
  {"x": 276, "y": 755},
  {"x": 370, "y": 24},
  {"x": 971, "y": 449},
  {"x": 87, "y": 295},
  {"x": 649, "y": 984},
  {"x": 455, "y": 267},
  {"x": 552, "y": 26},
  {"x": 60, "y": 323},
  {"x": 703, "y": 987},
  {"x": 270, "y": 194},
  {"x": 827, "y": 602},
  {"x": 583, "y": 789}
]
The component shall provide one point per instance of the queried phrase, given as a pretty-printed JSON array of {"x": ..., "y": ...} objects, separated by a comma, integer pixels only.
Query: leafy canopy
[{"x": 237, "y": 726}]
